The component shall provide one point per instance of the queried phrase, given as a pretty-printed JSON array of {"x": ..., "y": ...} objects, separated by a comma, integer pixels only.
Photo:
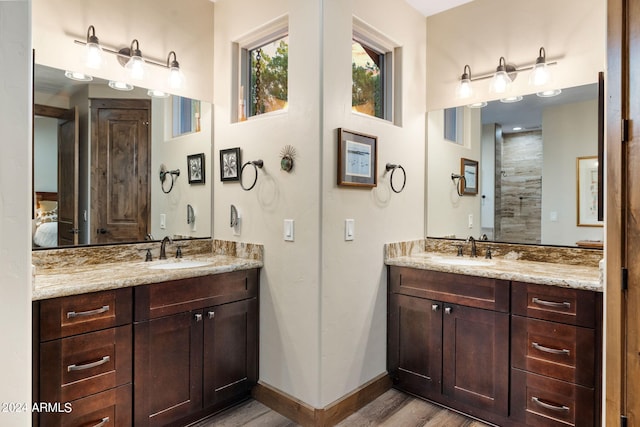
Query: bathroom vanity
[
  {"x": 154, "y": 347},
  {"x": 512, "y": 342}
]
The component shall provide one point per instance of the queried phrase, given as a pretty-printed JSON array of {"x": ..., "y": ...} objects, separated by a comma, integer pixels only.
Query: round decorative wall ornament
[{"x": 288, "y": 155}]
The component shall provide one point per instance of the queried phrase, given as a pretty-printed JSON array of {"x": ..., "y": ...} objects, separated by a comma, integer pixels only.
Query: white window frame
[{"x": 274, "y": 30}]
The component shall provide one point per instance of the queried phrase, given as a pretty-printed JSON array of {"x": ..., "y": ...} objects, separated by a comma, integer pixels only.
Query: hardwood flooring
[{"x": 391, "y": 409}]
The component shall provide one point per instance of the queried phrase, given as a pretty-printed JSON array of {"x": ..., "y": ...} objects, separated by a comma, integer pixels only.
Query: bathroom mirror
[
  {"x": 65, "y": 194},
  {"x": 527, "y": 153}
]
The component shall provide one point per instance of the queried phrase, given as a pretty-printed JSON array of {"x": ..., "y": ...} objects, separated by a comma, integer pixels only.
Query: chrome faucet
[
  {"x": 163, "y": 247},
  {"x": 473, "y": 246}
]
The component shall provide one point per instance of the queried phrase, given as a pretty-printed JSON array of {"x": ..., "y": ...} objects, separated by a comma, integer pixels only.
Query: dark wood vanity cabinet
[
  {"x": 510, "y": 353},
  {"x": 449, "y": 339},
  {"x": 196, "y": 346},
  {"x": 83, "y": 359},
  {"x": 153, "y": 355},
  {"x": 555, "y": 356}
]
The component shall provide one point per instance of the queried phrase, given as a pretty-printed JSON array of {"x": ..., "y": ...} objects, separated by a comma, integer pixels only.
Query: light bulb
[
  {"x": 500, "y": 82},
  {"x": 135, "y": 66},
  {"x": 540, "y": 75},
  {"x": 176, "y": 78},
  {"x": 464, "y": 89},
  {"x": 93, "y": 56}
]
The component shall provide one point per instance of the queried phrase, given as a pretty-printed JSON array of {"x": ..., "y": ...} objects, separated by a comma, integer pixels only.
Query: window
[
  {"x": 186, "y": 115},
  {"x": 265, "y": 77},
  {"x": 367, "y": 80},
  {"x": 376, "y": 67},
  {"x": 454, "y": 125}
]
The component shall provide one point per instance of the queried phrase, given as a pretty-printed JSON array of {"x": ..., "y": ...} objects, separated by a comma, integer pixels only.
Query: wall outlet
[
  {"x": 349, "y": 229},
  {"x": 470, "y": 220},
  {"x": 163, "y": 221}
]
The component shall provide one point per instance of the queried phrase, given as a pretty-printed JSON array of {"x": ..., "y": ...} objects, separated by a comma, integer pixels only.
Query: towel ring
[
  {"x": 457, "y": 184},
  {"x": 163, "y": 175},
  {"x": 256, "y": 164},
  {"x": 391, "y": 167}
]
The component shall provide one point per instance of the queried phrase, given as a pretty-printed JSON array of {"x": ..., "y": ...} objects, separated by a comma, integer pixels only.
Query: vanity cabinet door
[
  {"x": 167, "y": 368},
  {"x": 230, "y": 363},
  {"x": 415, "y": 344},
  {"x": 476, "y": 358}
]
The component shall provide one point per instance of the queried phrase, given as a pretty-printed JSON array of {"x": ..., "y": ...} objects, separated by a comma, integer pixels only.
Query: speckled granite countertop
[
  {"x": 581, "y": 271},
  {"x": 98, "y": 269}
]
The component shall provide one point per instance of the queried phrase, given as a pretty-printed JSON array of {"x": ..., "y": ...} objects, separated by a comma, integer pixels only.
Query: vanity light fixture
[
  {"x": 176, "y": 78},
  {"x": 135, "y": 64},
  {"x": 93, "y": 57},
  {"x": 501, "y": 81},
  {"x": 464, "y": 87},
  {"x": 76, "y": 75},
  {"x": 129, "y": 57},
  {"x": 540, "y": 74}
]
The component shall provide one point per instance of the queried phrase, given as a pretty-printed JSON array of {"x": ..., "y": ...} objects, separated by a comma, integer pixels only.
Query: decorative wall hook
[{"x": 288, "y": 154}]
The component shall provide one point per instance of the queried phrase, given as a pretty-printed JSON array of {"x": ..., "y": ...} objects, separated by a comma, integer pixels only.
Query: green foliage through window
[
  {"x": 367, "y": 90},
  {"x": 268, "y": 85}
]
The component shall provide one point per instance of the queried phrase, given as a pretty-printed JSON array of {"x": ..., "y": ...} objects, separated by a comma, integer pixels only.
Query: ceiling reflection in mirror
[
  {"x": 71, "y": 207},
  {"x": 527, "y": 152}
]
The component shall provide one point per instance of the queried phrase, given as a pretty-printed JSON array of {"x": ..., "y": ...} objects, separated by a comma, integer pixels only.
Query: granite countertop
[
  {"x": 74, "y": 271},
  {"x": 544, "y": 273}
]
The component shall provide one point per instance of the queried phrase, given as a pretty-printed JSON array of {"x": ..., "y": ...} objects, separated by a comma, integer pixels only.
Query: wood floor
[{"x": 392, "y": 409}]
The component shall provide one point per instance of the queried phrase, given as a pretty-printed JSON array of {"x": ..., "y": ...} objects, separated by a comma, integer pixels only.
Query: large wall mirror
[
  {"x": 98, "y": 153},
  {"x": 527, "y": 152}
]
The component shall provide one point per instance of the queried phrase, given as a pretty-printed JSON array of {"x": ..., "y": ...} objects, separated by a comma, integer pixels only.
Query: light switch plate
[
  {"x": 163, "y": 221},
  {"x": 349, "y": 229},
  {"x": 289, "y": 233}
]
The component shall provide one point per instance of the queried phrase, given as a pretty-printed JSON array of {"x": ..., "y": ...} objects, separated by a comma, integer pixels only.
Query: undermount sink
[
  {"x": 177, "y": 265},
  {"x": 463, "y": 261}
]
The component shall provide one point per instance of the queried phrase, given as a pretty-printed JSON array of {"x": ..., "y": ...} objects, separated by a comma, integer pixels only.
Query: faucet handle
[
  {"x": 148, "y": 257},
  {"x": 488, "y": 254},
  {"x": 179, "y": 252},
  {"x": 459, "y": 250}
]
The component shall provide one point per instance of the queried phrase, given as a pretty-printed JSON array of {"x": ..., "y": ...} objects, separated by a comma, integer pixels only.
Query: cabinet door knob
[
  {"x": 435, "y": 307},
  {"x": 211, "y": 314},
  {"x": 447, "y": 310},
  {"x": 198, "y": 317}
]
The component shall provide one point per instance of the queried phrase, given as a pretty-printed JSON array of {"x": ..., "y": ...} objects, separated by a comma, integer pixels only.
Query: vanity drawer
[
  {"x": 179, "y": 296},
  {"x": 66, "y": 316},
  {"x": 557, "y": 350},
  {"x": 108, "y": 408},
  {"x": 540, "y": 401},
  {"x": 565, "y": 305},
  {"x": 471, "y": 291},
  {"x": 85, "y": 364}
]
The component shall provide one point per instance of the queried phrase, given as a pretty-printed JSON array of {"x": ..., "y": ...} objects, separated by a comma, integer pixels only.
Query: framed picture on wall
[
  {"x": 587, "y": 192},
  {"x": 357, "y": 159},
  {"x": 195, "y": 168},
  {"x": 469, "y": 170},
  {"x": 230, "y": 164}
]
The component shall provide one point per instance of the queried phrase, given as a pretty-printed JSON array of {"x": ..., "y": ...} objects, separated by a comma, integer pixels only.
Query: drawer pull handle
[
  {"x": 435, "y": 307},
  {"x": 447, "y": 310},
  {"x": 551, "y": 303},
  {"x": 548, "y": 406},
  {"x": 102, "y": 422},
  {"x": 102, "y": 361},
  {"x": 72, "y": 314},
  {"x": 198, "y": 317},
  {"x": 211, "y": 314},
  {"x": 550, "y": 350}
]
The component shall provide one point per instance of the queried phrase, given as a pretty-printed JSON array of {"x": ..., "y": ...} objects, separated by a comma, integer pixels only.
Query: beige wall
[
  {"x": 184, "y": 27},
  {"x": 447, "y": 212},
  {"x": 323, "y": 308},
  {"x": 480, "y": 32},
  {"x": 564, "y": 141},
  {"x": 15, "y": 209}
]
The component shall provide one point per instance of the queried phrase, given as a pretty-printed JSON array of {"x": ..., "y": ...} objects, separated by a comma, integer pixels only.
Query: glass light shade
[
  {"x": 135, "y": 67},
  {"x": 120, "y": 85},
  {"x": 500, "y": 82},
  {"x": 464, "y": 89},
  {"x": 511, "y": 99},
  {"x": 549, "y": 93},
  {"x": 176, "y": 78},
  {"x": 481, "y": 104},
  {"x": 93, "y": 57},
  {"x": 540, "y": 75}
]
